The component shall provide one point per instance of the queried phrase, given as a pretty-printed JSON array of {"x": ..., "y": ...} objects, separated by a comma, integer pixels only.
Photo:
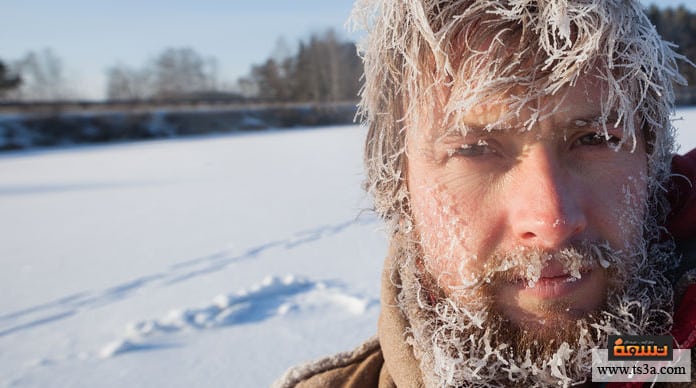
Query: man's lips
[
  {"x": 553, "y": 269},
  {"x": 554, "y": 282},
  {"x": 556, "y": 294}
]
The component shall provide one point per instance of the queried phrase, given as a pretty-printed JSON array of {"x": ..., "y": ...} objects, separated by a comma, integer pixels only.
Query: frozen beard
[{"x": 462, "y": 338}]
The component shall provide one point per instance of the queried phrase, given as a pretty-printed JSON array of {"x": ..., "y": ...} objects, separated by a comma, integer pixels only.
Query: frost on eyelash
[{"x": 479, "y": 143}]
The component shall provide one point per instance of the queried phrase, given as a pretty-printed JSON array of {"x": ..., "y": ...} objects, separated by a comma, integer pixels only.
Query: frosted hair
[{"x": 429, "y": 61}]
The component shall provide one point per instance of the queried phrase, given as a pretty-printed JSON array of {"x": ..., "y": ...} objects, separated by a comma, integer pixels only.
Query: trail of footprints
[{"x": 71, "y": 305}]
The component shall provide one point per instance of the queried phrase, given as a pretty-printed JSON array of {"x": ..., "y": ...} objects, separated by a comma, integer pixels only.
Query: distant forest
[
  {"x": 678, "y": 26},
  {"x": 322, "y": 68}
]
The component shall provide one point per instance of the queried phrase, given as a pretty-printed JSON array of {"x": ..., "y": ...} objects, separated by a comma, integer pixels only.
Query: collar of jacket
[{"x": 399, "y": 361}]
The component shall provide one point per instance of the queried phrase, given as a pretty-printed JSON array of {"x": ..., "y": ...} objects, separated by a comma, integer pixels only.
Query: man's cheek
[
  {"x": 445, "y": 236},
  {"x": 629, "y": 214}
]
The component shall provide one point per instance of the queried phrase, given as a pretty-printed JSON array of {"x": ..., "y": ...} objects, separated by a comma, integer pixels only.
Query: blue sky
[{"x": 92, "y": 35}]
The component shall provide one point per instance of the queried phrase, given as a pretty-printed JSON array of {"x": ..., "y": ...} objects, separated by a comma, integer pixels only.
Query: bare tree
[
  {"x": 326, "y": 50},
  {"x": 42, "y": 77},
  {"x": 126, "y": 83},
  {"x": 181, "y": 71}
]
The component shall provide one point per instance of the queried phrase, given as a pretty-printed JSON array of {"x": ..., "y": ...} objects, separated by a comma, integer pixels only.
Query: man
[{"x": 520, "y": 152}]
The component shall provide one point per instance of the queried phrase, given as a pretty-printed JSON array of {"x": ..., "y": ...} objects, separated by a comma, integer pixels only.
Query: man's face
[{"x": 481, "y": 199}]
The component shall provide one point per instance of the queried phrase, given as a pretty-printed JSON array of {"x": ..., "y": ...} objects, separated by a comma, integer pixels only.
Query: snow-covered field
[{"x": 213, "y": 262}]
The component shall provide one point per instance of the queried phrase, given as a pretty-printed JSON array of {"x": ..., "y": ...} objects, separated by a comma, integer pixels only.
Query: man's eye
[
  {"x": 596, "y": 139},
  {"x": 471, "y": 150}
]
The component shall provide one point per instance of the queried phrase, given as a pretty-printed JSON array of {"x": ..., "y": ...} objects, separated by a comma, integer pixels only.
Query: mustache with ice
[{"x": 527, "y": 265}]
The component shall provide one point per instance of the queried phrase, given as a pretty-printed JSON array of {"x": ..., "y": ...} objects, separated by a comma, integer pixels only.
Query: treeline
[{"x": 322, "y": 68}]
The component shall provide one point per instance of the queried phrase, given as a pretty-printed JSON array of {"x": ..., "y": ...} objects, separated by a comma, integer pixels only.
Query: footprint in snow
[{"x": 274, "y": 296}]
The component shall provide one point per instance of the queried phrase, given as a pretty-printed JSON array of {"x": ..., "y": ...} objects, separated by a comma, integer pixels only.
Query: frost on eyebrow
[{"x": 468, "y": 132}]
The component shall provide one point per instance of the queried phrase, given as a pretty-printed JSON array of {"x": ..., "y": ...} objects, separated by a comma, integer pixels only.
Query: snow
[
  {"x": 213, "y": 261},
  {"x": 208, "y": 261}
]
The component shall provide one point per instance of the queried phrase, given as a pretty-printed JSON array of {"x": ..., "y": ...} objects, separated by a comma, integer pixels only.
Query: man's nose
[{"x": 546, "y": 209}]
